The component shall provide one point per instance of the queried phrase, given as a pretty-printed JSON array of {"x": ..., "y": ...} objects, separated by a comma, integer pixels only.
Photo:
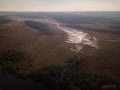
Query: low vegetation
[
  {"x": 48, "y": 75},
  {"x": 9, "y": 60},
  {"x": 73, "y": 76},
  {"x": 43, "y": 28},
  {"x": 11, "y": 55},
  {"x": 4, "y": 20}
]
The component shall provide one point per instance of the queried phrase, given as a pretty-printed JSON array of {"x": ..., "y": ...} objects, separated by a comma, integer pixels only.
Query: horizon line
[{"x": 59, "y": 11}]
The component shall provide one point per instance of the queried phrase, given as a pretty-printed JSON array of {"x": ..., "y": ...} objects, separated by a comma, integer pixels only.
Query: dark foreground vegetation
[
  {"x": 4, "y": 20},
  {"x": 71, "y": 76},
  {"x": 43, "y": 28},
  {"x": 74, "y": 76},
  {"x": 9, "y": 60}
]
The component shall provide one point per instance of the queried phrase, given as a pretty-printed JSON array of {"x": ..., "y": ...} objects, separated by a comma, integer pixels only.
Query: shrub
[
  {"x": 48, "y": 75},
  {"x": 10, "y": 59},
  {"x": 72, "y": 76},
  {"x": 11, "y": 55},
  {"x": 76, "y": 63},
  {"x": 12, "y": 68}
]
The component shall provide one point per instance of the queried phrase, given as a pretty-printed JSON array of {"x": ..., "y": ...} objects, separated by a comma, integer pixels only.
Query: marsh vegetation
[{"x": 43, "y": 28}]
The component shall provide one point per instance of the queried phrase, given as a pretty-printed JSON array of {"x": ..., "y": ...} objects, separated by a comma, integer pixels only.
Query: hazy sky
[{"x": 59, "y": 5}]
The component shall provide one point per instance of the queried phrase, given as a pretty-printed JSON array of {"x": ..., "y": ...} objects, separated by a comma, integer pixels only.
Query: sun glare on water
[{"x": 77, "y": 38}]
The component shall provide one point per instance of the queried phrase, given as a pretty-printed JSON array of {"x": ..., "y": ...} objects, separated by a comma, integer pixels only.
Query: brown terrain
[
  {"x": 40, "y": 50},
  {"x": 106, "y": 58},
  {"x": 28, "y": 56}
]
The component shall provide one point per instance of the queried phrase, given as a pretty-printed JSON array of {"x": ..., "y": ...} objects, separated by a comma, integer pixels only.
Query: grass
[{"x": 43, "y": 28}]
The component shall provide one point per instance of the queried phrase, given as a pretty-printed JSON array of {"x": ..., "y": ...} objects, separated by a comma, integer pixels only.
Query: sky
[{"x": 59, "y": 5}]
